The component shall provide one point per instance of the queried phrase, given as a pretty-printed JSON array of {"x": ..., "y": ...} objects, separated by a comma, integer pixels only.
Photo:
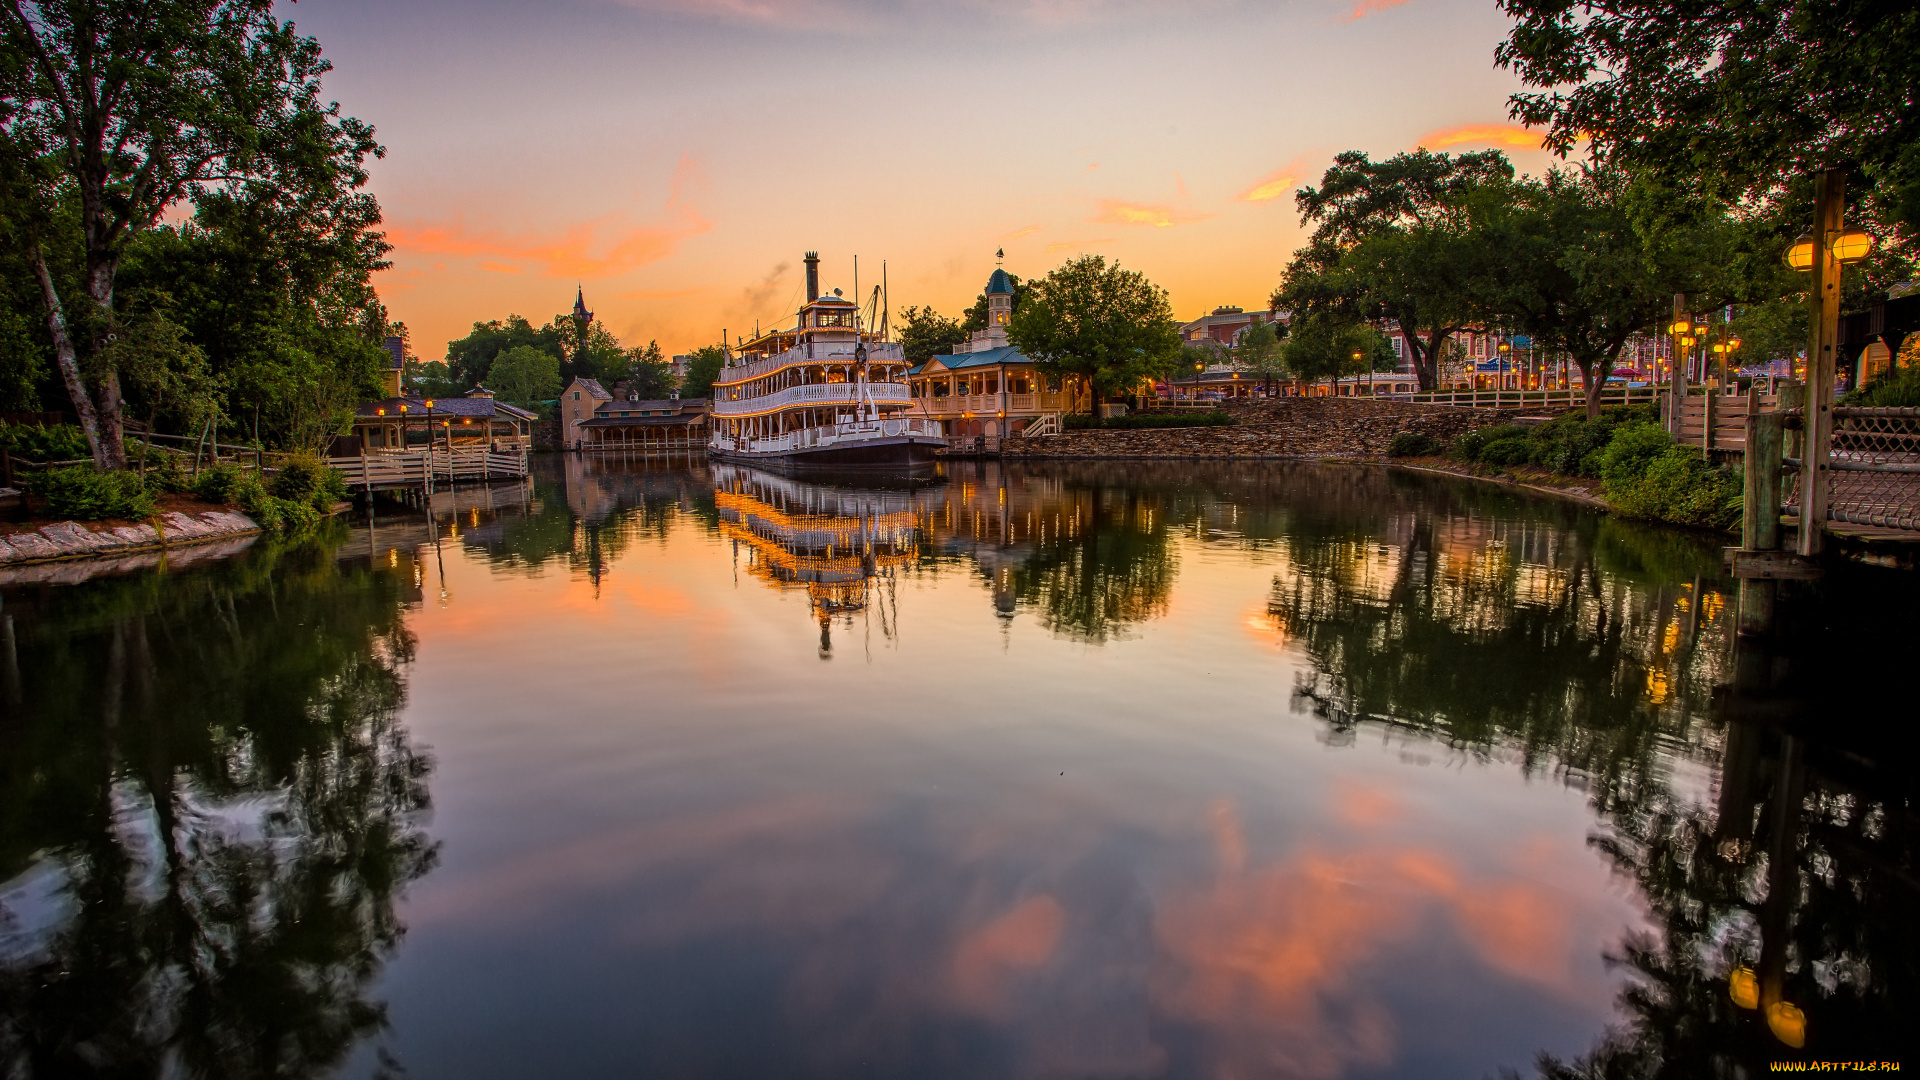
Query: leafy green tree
[
  {"x": 1394, "y": 240},
  {"x": 702, "y": 370},
  {"x": 1325, "y": 347},
  {"x": 1745, "y": 99},
  {"x": 119, "y": 110},
  {"x": 1258, "y": 351},
  {"x": 926, "y": 333},
  {"x": 279, "y": 298},
  {"x": 525, "y": 376},
  {"x": 470, "y": 357},
  {"x": 1108, "y": 327},
  {"x": 976, "y": 317},
  {"x": 432, "y": 379},
  {"x": 1576, "y": 272},
  {"x": 648, "y": 375}
]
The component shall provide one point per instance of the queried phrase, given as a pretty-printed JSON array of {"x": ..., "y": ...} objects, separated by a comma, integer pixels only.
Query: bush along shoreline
[
  {"x": 1641, "y": 471},
  {"x": 300, "y": 494}
]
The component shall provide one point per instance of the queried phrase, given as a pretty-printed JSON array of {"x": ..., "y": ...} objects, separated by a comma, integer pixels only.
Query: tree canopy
[
  {"x": 1105, "y": 325},
  {"x": 525, "y": 376},
  {"x": 119, "y": 110},
  {"x": 926, "y": 333},
  {"x": 702, "y": 370},
  {"x": 1744, "y": 99},
  {"x": 1393, "y": 240}
]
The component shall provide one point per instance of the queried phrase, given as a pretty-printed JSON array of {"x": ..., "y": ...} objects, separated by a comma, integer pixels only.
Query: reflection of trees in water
[
  {"x": 588, "y": 511},
  {"x": 1519, "y": 634},
  {"x": 205, "y": 777},
  {"x": 1801, "y": 876},
  {"x": 1105, "y": 564}
]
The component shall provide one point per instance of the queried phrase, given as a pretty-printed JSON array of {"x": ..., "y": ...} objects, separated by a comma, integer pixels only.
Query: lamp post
[
  {"x": 404, "y": 433},
  {"x": 1823, "y": 251},
  {"x": 1356, "y": 360}
]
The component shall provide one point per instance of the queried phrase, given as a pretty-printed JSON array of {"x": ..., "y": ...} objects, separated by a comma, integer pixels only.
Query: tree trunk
[
  {"x": 68, "y": 363},
  {"x": 1593, "y": 385}
]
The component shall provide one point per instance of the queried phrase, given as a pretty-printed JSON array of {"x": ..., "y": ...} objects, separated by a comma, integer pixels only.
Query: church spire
[{"x": 580, "y": 313}]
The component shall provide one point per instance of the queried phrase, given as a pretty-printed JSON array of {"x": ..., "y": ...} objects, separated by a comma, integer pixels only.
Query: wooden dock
[{"x": 425, "y": 470}]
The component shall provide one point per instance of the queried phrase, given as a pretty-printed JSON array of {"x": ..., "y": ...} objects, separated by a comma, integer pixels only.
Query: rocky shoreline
[
  {"x": 64, "y": 540},
  {"x": 1282, "y": 428}
]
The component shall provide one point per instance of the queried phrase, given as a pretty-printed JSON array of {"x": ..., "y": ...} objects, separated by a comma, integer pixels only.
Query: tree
[
  {"x": 525, "y": 376},
  {"x": 1745, "y": 99},
  {"x": 1109, "y": 327},
  {"x": 702, "y": 370},
  {"x": 1258, "y": 351},
  {"x": 117, "y": 111},
  {"x": 1585, "y": 263},
  {"x": 469, "y": 358},
  {"x": 1323, "y": 347},
  {"x": 649, "y": 376},
  {"x": 926, "y": 333},
  {"x": 1393, "y": 241}
]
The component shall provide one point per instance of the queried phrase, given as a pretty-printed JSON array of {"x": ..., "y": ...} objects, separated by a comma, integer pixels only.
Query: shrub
[
  {"x": 86, "y": 495},
  {"x": 1632, "y": 450},
  {"x": 308, "y": 480},
  {"x": 1508, "y": 450},
  {"x": 1675, "y": 485},
  {"x": 1472, "y": 445},
  {"x": 227, "y": 483},
  {"x": 1898, "y": 386},
  {"x": 1414, "y": 444},
  {"x": 61, "y": 442}
]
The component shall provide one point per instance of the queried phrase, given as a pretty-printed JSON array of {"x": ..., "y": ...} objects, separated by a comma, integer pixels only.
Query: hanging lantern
[
  {"x": 1852, "y": 245},
  {"x": 1744, "y": 988},
  {"x": 1800, "y": 255},
  {"x": 1682, "y": 325},
  {"x": 1787, "y": 1023}
]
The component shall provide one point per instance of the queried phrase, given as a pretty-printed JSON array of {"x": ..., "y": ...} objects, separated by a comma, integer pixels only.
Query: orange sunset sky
[{"x": 676, "y": 157}]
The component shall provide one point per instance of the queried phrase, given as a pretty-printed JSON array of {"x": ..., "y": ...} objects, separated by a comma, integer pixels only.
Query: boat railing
[
  {"x": 811, "y": 393},
  {"x": 827, "y": 435},
  {"x": 841, "y": 351}
]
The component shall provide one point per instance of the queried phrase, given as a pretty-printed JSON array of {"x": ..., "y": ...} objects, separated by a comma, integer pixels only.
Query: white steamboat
[{"x": 825, "y": 393}]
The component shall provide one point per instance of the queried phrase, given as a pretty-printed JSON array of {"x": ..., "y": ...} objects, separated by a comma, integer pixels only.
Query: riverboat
[{"x": 827, "y": 393}]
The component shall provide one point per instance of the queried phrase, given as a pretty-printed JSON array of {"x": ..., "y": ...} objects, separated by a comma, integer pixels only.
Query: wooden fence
[{"x": 426, "y": 469}]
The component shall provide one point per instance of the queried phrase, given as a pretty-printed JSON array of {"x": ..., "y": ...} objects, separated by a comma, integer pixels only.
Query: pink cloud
[
  {"x": 1017, "y": 233},
  {"x": 1150, "y": 215},
  {"x": 1508, "y": 136},
  {"x": 594, "y": 249},
  {"x": 1370, "y": 7},
  {"x": 1277, "y": 183}
]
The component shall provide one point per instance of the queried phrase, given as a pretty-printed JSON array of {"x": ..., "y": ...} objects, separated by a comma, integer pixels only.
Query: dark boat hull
[{"x": 898, "y": 452}]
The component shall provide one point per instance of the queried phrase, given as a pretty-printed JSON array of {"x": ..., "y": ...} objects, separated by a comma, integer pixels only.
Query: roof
[
  {"x": 593, "y": 388},
  {"x": 670, "y": 404},
  {"x": 999, "y": 283},
  {"x": 677, "y": 420},
  {"x": 476, "y": 407},
  {"x": 1006, "y": 354}
]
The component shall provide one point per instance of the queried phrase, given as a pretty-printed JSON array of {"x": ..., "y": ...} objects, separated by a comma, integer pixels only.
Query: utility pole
[{"x": 1829, "y": 218}]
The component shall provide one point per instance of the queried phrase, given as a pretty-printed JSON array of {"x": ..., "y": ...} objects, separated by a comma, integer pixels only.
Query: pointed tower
[{"x": 581, "y": 316}]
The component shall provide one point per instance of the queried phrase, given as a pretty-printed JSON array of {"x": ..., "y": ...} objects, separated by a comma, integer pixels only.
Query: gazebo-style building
[
  {"x": 988, "y": 387},
  {"x": 476, "y": 419}
]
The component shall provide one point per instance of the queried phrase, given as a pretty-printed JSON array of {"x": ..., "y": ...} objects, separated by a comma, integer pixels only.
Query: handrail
[
  {"x": 876, "y": 353},
  {"x": 815, "y": 393}
]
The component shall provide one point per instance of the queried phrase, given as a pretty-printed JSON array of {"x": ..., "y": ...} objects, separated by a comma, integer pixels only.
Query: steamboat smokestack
[{"x": 813, "y": 276}]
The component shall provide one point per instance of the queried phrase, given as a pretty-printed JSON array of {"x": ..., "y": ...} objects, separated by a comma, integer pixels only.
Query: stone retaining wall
[
  {"x": 72, "y": 540},
  {"x": 1281, "y": 428}
]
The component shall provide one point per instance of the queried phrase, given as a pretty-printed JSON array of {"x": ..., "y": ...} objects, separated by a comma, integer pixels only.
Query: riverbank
[
  {"x": 1281, "y": 428},
  {"x": 21, "y": 545}
]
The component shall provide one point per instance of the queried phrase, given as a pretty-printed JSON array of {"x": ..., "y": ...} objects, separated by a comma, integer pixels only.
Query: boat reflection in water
[{"x": 833, "y": 542}]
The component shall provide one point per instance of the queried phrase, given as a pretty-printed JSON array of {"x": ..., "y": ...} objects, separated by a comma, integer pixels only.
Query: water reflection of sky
[{"x": 676, "y": 841}]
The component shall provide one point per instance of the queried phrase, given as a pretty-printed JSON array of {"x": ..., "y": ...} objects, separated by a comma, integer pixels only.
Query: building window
[{"x": 576, "y": 395}]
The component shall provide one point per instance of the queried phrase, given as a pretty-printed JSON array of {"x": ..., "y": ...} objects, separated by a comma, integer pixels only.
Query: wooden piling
[{"x": 1760, "y": 514}]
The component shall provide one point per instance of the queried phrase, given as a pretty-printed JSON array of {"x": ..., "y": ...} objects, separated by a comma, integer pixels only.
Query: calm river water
[{"x": 1046, "y": 771}]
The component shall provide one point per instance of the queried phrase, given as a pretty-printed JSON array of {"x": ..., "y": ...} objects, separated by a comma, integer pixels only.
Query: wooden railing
[
  {"x": 379, "y": 470},
  {"x": 1570, "y": 398},
  {"x": 1718, "y": 421}
]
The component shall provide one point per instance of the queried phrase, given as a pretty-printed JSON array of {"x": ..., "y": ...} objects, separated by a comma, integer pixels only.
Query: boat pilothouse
[{"x": 827, "y": 392}]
